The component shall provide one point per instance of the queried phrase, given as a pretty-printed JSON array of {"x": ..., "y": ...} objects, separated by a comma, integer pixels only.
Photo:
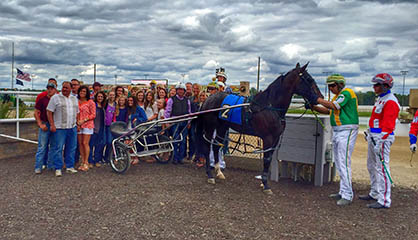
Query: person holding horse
[
  {"x": 344, "y": 122},
  {"x": 380, "y": 138},
  {"x": 176, "y": 106}
]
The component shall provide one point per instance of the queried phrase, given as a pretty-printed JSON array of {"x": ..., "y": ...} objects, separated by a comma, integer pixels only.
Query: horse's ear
[
  {"x": 297, "y": 65},
  {"x": 304, "y": 67}
]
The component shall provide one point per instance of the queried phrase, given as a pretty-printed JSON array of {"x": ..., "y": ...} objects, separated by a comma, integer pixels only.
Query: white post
[{"x": 17, "y": 116}]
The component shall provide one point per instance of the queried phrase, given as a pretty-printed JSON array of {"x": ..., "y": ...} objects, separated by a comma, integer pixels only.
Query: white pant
[
  {"x": 379, "y": 180},
  {"x": 220, "y": 155},
  {"x": 343, "y": 142}
]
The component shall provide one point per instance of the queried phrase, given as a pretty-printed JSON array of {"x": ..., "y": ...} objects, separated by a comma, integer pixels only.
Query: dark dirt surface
[{"x": 153, "y": 201}]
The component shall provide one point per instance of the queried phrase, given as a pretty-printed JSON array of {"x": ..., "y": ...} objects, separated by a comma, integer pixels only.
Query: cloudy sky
[{"x": 165, "y": 39}]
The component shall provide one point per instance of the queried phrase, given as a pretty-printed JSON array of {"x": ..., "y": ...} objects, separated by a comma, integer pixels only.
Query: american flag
[{"x": 22, "y": 76}]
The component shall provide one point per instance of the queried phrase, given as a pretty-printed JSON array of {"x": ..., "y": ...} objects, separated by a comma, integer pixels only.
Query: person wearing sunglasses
[
  {"x": 212, "y": 88},
  {"x": 380, "y": 137},
  {"x": 344, "y": 121}
]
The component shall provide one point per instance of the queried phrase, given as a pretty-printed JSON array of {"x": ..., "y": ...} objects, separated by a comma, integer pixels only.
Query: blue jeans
[
  {"x": 42, "y": 152},
  {"x": 61, "y": 137},
  {"x": 109, "y": 139},
  {"x": 97, "y": 144},
  {"x": 179, "y": 147}
]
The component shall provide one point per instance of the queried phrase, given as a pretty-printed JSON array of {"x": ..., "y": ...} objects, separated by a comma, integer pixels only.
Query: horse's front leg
[{"x": 264, "y": 177}]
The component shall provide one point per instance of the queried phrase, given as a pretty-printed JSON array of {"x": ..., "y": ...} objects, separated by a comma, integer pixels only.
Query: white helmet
[{"x": 181, "y": 85}]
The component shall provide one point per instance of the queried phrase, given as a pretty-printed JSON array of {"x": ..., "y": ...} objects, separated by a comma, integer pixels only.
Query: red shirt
[
  {"x": 41, "y": 105},
  {"x": 41, "y": 95},
  {"x": 384, "y": 115}
]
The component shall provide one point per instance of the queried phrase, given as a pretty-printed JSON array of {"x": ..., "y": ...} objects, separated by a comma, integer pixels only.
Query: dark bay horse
[{"x": 267, "y": 110}]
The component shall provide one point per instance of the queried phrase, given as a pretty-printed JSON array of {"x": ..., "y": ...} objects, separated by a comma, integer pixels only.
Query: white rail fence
[{"x": 18, "y": 120}]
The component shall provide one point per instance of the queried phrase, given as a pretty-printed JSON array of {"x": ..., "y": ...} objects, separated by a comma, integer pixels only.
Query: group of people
[
  {"x": 343, "y": 110},
  {"x": 74, "y": 124}
]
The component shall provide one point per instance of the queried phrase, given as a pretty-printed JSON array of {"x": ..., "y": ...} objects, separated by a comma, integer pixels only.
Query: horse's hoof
[
  {"x": 211, "y": 181},
  {"x": 262, "y": 185},
  {"x": 268, "y": 191},
  {"x": 220, "y": 176}
]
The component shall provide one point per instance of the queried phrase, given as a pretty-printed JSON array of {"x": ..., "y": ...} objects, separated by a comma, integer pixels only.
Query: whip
[{"x": 381, "y": 161}]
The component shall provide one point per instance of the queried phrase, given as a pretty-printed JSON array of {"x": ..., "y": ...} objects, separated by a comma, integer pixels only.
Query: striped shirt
[{"x": 65, "y": 110}]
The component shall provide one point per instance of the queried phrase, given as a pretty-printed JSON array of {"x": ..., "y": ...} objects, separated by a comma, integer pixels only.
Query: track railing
[{"x": 17, "y": 119}]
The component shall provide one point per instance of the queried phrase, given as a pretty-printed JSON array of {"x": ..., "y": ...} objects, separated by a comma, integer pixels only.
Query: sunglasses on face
[
  {"x": 211, "y": 88},
  {"x": 332, "y": 85},
  {"x": 377, "y": 85}
]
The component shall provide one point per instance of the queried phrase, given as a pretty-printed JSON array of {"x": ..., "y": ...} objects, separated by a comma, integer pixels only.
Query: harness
[{"x": 247, "y": 115}]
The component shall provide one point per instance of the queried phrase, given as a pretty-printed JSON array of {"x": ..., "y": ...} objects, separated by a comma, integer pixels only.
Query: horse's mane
[{"x": 263, "y": 96}]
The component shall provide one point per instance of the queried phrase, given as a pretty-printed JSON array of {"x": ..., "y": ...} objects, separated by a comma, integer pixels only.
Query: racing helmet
[
  {"x": 213, "y": 84},
  {"x": 383, "y": 78},
  {"x": 181, "y": 85},
  {"x": 335, "y": 78}
]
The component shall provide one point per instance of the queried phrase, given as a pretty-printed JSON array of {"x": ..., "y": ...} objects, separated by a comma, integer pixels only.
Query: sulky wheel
[
  {"x": 164, "y": 157},
  {"x": 123, "y": 161}
]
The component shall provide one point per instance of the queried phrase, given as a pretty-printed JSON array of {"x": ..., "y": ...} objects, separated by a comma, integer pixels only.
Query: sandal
[{"x": 84, "y": 168}]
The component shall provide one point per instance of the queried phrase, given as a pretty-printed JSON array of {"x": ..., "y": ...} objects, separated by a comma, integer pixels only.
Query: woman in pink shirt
[{"x": 85, "y": 125}]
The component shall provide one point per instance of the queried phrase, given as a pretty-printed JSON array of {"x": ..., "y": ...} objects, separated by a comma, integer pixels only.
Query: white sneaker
[
  {"x": 58, "y": 173},
  {"x": 38, "y": 171},
  {"x": 71, "y": 170}
]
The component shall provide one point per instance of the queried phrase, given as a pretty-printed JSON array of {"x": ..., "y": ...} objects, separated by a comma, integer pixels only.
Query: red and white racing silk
[
  {"x": 384, "y": 115},
  {"x": 414, "y": 129}
]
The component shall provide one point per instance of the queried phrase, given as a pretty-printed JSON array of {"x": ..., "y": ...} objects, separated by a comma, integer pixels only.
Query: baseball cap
[{"x": 51, "y": 85}]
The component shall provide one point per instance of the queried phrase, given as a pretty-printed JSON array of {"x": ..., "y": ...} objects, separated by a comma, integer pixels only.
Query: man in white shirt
[{"x": 62, "y": 112}]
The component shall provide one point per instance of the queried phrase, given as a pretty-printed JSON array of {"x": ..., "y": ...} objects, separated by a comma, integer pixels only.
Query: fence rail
[{"x": 17, "y": 119}]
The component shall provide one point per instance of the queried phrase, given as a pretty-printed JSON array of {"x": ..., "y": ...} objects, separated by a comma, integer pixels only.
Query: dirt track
[{"x": 153, "y": 201}]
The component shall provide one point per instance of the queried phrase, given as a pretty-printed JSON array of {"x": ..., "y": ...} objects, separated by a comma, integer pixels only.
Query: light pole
[
  {"x": 145, "y": 76},
  {"x": 403, "y": 89},
  {"x": 326, "y": 85},
  {"x": 116, "y": 79},
  {"x": 183, "y": 75}
]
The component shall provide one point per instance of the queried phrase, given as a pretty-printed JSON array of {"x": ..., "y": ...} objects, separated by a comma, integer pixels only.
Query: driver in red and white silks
[
  {"x": 380, "y": 138},
  {"x": 413, "y": 133}
]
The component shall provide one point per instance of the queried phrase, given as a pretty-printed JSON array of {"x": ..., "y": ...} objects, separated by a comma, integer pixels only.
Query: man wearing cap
[
  {"x": 176, "y": 106},
  {"x": 41, "y": 95},
  {"x": 62, "y": 112},
  {"x": 380, "y": 138},
  {"x": 97, "y": 87},
  {"x": 344, "y": 122},
  {"x": 44, "y": 93},
  {"x": 212, "y": 87},
  {"x": 44, "y": 132}
]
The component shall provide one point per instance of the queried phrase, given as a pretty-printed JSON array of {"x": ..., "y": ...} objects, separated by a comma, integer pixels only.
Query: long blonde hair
[{"x": 118, "y": 105}]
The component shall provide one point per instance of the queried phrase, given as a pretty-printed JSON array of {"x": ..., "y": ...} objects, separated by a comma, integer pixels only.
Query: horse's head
[{"x": 306, "y": 86}]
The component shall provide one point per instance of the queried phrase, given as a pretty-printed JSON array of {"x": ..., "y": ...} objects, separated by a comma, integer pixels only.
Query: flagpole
[{"x": 13, "y": 61}]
